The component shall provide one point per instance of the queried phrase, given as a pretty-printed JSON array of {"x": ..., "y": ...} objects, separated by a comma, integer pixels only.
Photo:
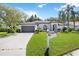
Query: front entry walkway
[{"x": 14, "y": 45}]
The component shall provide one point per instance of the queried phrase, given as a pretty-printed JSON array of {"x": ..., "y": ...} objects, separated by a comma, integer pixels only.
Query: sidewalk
[{"x": 73, "y": 53}]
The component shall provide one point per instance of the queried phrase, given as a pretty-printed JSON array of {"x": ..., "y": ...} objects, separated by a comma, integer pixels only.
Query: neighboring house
[
  {"x": 76, "y": 25},
  {"x": 43, "y": 25}
]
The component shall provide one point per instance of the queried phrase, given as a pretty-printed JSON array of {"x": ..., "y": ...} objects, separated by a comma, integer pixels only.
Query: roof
[
  {"x": 28, "y": 23},
  {"x": 37, "y": 22}
]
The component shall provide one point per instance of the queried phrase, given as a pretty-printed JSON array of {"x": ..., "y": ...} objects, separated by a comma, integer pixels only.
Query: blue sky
[{"x": 42, "y": 10}]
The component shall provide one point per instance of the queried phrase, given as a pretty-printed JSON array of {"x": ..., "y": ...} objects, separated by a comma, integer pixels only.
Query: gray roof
[{"x": 37, "y": 22}]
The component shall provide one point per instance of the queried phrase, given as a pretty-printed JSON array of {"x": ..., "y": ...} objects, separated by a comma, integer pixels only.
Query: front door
[{"x": 55, "y": 27}]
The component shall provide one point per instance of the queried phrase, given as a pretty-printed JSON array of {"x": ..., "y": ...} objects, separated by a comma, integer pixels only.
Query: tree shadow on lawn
[
  {"x": 73, "y": 32},
  {"x": 46, "y": 52}
]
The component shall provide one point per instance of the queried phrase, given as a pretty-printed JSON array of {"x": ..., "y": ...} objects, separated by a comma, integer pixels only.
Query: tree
[
  {"x": 52, "y": 19},
  {"x": 68, "y": 8},
  {"x": 30, "y": 19},
  {"x": 68, "y": 14},
  {"x": 12, "y": 18},
  {"x": 0, "y": 22},
  {"x": 62, "y": 16},
  {"x": 24, "y": 18},
  {"x": 34, "y": 18},
  {"x": 73, "y": 15}
]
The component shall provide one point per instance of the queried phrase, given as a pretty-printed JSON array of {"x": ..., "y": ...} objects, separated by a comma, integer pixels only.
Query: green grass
[
  {"x": 37, "y": 45},
  {"x": 63, "y": 43},
  {"x": 4, "y": 34}
]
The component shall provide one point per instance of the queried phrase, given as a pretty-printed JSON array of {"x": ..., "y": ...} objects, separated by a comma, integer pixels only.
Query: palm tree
[
  {"x": 69, "y": 14},
  {"x": 62, "y": 16},
  {"x": 73, "y": 13},
  {"x": 68, "y": 8}
]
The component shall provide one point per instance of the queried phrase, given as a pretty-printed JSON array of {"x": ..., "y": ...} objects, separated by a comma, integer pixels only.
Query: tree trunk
[
  {"x": 74, "y": 24},
  {"x": 63, "y": 24},
  {"x": 68, "y": 24},
  {"x": 68, "y": 21},
  {"x": 12, "y": 29}
]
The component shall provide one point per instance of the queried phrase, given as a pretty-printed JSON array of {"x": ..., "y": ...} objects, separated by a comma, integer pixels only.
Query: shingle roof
[{"x": 37, "y": 22}]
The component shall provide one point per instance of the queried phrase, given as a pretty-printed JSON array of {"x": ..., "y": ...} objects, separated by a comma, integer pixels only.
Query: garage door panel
[{"x": 28, "y": 28}]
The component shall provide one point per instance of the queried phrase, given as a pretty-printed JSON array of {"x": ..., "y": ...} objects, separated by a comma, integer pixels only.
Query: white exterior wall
[
  {"x": 41, "y": 26},
  {"x": 48, "y": 26},
  {"x": 35, "y": 27}
]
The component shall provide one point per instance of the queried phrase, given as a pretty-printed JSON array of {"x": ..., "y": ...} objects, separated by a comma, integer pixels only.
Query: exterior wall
[
  {"x": 42, "y": 26},
  {"x": 49, "y": 26}
]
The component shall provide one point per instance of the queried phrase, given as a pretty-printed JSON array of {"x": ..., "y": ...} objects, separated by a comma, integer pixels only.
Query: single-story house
[{"x": 43, "y": 25}]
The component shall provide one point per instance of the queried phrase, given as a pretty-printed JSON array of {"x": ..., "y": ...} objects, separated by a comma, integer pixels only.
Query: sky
[{"x": 42, "y": 10}]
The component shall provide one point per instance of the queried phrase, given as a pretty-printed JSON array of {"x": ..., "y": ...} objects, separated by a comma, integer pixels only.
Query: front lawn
[
  {"x": 37, "y": 45},
  {"x": 64, "y": 43},
  {"x": 60, "y": 45},
  {"x": 4, "y": 34}
]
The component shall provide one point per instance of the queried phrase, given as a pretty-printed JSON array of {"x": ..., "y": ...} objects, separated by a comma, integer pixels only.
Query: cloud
[
  {"x": 41, "y": 5},
  {"x": 30, "y": 13},
  {"x": 63, "y": 6},
  {"x": 75, "y": 4},
  {"x": 57, "y": 9}
]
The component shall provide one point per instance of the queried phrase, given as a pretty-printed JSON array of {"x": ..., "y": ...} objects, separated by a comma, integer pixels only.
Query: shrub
[
  {"x": 64, "y": 29},
  {"x": 18, "y": 30},
  {"x": 3, "y": 30},
  {"x": 9, "y": 31},
  {"x": 77, "y": 30},
  {"x": 40, "y": 30},
  {"x": 70, "y": 29},
  {"x": 36, "y": 31}
]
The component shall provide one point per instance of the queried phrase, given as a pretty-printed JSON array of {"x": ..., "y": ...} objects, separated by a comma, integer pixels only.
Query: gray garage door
[{"x": 27, "y": 28}]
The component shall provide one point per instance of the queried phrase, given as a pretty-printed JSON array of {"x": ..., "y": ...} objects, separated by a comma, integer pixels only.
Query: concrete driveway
[{"x": 14, "y": 45}]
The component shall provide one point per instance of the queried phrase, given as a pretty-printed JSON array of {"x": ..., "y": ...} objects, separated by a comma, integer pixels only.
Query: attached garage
[{"x": 27, "y": 29}]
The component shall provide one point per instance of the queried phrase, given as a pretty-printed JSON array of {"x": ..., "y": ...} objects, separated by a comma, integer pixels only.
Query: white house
[{"x": 43, "y": 25}]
